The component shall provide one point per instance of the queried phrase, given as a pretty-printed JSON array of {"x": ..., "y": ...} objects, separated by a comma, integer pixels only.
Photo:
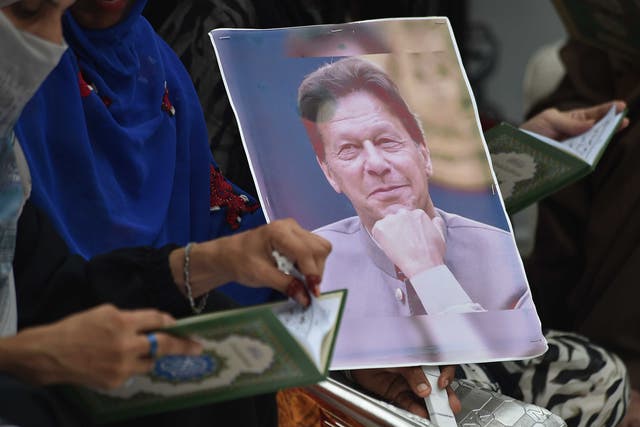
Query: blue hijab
[{"x": 118, "y": 149}]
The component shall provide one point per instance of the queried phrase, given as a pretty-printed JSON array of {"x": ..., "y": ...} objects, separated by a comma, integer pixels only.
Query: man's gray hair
[{"x": 336, "y": 80}]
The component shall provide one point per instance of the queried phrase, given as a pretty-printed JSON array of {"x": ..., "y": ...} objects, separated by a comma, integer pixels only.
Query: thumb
[{"x": 572, "y": 126}]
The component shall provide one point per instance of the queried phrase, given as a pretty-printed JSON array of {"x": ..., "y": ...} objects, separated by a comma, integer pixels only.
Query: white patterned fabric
[{"x": 575, "y": 379}]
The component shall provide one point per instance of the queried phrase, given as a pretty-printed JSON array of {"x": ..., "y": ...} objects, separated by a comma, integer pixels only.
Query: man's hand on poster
[
  {"x": 406, "y": 387},
  {"x": 404, "y": 234},
  {"x": 560, "y": 125}
]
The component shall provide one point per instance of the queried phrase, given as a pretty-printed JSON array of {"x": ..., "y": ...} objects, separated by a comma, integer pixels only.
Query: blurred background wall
[{"x": 519, "y": 28}]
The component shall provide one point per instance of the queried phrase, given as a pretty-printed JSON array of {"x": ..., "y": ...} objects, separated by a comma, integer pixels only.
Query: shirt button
[{"x": 399, "y": 295}]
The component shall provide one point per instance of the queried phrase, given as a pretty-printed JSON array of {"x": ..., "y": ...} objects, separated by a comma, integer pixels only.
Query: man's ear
[
  {"x": 424, "y": 150},
  {"x": 327, "y": 173}
]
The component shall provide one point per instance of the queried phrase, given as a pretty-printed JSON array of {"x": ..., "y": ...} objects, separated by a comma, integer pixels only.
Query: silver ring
[{"x": 153, "y": 345}]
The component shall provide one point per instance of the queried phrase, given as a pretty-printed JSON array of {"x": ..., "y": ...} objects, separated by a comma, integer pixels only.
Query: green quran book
[
  {"x": 529, "y": 166},
  {"x": 611, "y": 25},
  {"x": 247, "y": 351}
]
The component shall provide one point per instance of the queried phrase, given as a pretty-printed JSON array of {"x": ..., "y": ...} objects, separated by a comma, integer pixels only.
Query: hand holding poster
[{"x": 367, "y": 133}]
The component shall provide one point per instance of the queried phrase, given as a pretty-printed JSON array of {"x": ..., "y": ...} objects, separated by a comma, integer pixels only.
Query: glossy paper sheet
[{"x": 373, "y": 161}]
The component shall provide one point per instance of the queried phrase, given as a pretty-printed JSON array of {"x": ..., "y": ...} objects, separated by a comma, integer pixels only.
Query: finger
[
  {"x": 320, "y": 250},
  {"x": 142, "y": 366},
  {"x": 416, "y": 380},
  {"x": 623, "y": 124},
  {"x": 598, "y": 111},
  {"x": 298, "y": 292},
  {"x": 148, "y": 319},
  {"x": 454, "y": 401},
  {"x": 396, "y": 386},
  {"x": 410, "y": 402},
  {"x": 306, "y": 250},
  {"x": 447, "y": 374},
  {"x": 169, "y": 344},
  {"x": 165, "y": 344},
  {"x": 569, "y": 124}
]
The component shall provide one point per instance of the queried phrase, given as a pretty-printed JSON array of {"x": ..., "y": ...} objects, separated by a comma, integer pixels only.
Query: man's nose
[{"x": 375, "y": 161}]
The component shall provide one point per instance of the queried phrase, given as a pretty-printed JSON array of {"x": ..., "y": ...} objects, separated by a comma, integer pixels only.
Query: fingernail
[
  {"x": 303, "y": 298},
  {"x": 294, "y": 287},
  {"x": 297, "y": 291},
  {"x": 313, "y": 281},
  {"x": 422, "y": 388}
]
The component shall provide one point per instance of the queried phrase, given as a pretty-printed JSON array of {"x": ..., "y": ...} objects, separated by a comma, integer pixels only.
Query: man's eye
[
  {"x": 389, "y": 144},
  {"x": 347, "y": 152}
]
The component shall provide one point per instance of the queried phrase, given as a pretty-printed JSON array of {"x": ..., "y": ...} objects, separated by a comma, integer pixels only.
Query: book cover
[
  {"x": 247, "y": 351},
  {"x": 530, "y": 167},
  {"x": 369, "y": 154}
]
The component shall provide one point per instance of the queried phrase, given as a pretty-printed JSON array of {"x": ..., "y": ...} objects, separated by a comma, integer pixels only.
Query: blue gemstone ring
[{"x": 153, "y": 345}]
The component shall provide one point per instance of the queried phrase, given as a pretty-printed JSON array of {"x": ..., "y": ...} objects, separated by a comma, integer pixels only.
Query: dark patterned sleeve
[{"x": 52, "y": 283}]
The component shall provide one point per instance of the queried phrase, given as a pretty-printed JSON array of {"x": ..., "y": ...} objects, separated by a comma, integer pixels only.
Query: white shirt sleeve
[
  {"x": 26, "y": 61},
  {"x": 440, "y": 292}
]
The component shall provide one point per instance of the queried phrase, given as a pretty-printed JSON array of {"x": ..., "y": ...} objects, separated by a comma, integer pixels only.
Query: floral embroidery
[
  {"x": 222, "y": 195},
  {"x": 166, "y": 102},
  {"x": 86, "y": 88}
]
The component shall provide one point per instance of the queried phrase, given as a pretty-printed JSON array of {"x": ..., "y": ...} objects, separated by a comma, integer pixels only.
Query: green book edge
[
  {"x": 557, "y": 168},
  {"x": 295, "y": 352}
]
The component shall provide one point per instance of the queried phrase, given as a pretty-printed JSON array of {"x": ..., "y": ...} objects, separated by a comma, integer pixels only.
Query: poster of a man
[
  {"x": 412, "y": 258},
  {"x": 367, "y": 133}
]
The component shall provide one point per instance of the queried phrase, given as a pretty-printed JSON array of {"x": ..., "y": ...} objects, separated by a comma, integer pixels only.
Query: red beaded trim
[{"x": 223, "y": 196}]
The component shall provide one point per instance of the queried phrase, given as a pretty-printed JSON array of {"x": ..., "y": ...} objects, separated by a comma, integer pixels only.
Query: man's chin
[{"x": 395, "y": 208}]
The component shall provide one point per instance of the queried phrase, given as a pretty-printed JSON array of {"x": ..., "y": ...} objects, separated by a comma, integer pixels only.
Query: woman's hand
[
  {"x": 560, "y": 125},
  {"x": 101, "y": 347},
  {"x": 247, "y": 258}
]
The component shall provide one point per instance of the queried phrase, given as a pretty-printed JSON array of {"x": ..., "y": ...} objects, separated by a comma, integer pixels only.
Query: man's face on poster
[{"x": 371, "y": 158}]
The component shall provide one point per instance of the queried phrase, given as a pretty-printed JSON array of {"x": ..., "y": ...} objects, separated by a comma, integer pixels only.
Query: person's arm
[
  {"x": 52, "y": 283},
  {"x": 32, "y": 44},
  {"x": 416, "y": 244},
  {"x": 101, "y": 347}
]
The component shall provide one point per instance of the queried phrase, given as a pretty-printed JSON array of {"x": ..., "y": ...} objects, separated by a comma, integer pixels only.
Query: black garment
[
  {"x": 51, "y": 284},
  {"x": 26, "y": 405}
]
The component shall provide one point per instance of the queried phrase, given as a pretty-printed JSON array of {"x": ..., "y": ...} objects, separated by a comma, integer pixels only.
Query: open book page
[
  {"x": 590, "y": 144},
  {"x": 311, "y": 325}
]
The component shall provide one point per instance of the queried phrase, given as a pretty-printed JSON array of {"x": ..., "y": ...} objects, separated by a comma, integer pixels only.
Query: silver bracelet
[{"x": 197, "y": 309}]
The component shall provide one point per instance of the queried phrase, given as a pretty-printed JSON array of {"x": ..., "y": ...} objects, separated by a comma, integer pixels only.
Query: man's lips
[{"x": 386, "y": 190}]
